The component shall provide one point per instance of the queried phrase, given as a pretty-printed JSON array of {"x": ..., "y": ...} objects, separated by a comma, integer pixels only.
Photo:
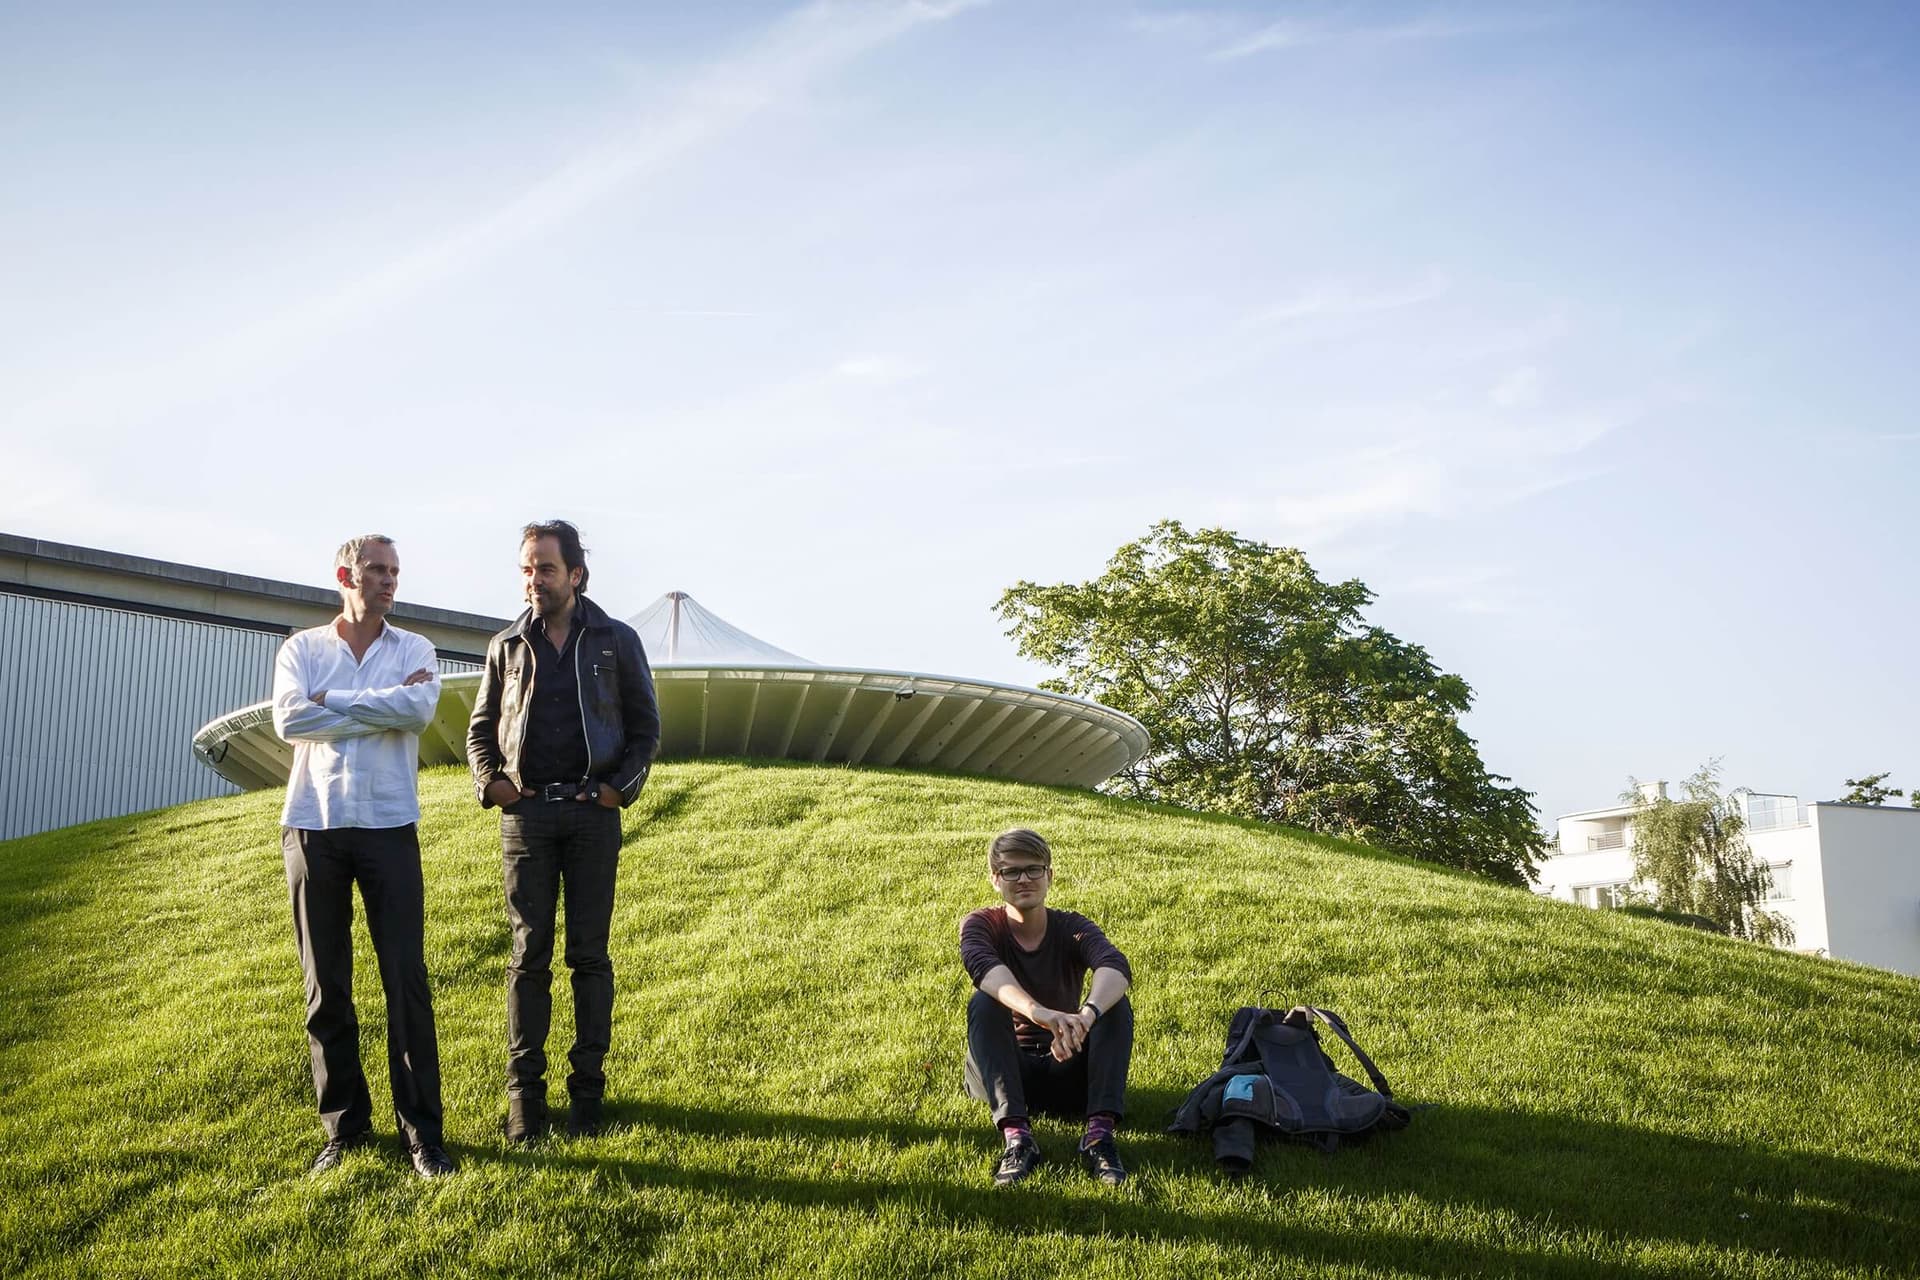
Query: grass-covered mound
[{"x": 1609, "y": 1096}]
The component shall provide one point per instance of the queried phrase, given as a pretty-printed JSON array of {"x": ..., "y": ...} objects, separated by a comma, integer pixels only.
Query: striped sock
[
  {"x": 1014, "y": 1128},
  {"x": 1099, "y": 1128}
]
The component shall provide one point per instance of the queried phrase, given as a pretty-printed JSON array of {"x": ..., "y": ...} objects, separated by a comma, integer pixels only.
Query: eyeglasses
[{"x": 1034, "y": 872}]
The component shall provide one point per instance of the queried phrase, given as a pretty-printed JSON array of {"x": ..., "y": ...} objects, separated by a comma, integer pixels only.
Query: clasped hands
[{"x": 1069, "y": 1031}]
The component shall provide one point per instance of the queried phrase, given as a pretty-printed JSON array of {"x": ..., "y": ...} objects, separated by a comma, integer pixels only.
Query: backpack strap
[
  {"x": 1253, "y": 1015},
  {"x": 1339, "y": 1028}
]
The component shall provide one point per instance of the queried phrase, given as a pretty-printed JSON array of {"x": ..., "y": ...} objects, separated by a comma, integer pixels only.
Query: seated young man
[{"x": 1033, "y": 1044}]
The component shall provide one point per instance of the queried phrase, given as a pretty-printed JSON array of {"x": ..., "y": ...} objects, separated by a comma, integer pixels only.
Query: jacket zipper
[
  {"x": 580, "y": 693},
  {"x": 525, "y": 700}
]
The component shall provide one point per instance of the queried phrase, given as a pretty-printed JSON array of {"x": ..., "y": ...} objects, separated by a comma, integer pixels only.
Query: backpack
[{"x": 1275, "y": 1076}]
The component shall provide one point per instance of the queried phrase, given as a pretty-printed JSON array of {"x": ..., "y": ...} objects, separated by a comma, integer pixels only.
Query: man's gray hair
[{"x": 351, "y": 552}]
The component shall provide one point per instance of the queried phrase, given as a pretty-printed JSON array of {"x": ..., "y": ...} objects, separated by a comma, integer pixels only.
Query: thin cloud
[
  {"x": 1190, "y": 25},
  {"x": 1443, "y": 466},
  {"x": 1296, "y": 33},
  {"x": 1486, "y": 590},
  {"x": 1288, "y": 33},
  {"x": 1330, "y": 300},
  {"x": 878, "y": 369},
  {"x": 793, "y": 53},
  {"x": 1519, "y": 389},
  {"x": 1404, "y": 489}
]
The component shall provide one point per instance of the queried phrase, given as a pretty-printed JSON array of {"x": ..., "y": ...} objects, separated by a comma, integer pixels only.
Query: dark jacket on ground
[{"x": 618, "y": 711}]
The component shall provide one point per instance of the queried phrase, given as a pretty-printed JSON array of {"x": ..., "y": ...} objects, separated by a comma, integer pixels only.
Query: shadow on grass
[
  {"x": 1564, "y": 1176},
  {"x": 75, "y": 1205},
  {"x": 662, "y": 803}
]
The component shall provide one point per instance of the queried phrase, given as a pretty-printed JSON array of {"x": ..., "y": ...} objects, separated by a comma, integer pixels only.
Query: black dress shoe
[
  {"x": 526, "y": 1120},
  {"x": 336, "y": 1149},
  {"x": 583, "y": 1118},
  {"x": 1021, "y": 1158},
  {"x": 1102, "y": 1160},
  {"x": 430, "y": 1160}
]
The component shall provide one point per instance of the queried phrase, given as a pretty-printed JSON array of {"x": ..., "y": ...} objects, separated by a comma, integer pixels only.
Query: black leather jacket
[{"x": 617, "y": 705}]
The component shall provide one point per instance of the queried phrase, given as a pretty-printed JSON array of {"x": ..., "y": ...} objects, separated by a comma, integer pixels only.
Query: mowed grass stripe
[{"x": 1607, "y": 1096}]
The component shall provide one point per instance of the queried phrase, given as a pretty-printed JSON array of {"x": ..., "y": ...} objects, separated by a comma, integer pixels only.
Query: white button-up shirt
[{"x": 356, "y": 759}]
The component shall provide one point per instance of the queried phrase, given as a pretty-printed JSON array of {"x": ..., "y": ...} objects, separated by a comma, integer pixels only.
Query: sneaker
[
  {"x": 430, "y": 1160},
  {"x": 1102, "y": 1160},
  {"x": 526, "y": 1120},
  {"x": 583, "y": 1118},
  {"x": 1021, "y": 1158},
  {"x": 335, "y": 1150}
]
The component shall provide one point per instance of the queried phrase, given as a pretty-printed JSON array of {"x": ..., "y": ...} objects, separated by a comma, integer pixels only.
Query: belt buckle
[{"x": 555, "y": 791}]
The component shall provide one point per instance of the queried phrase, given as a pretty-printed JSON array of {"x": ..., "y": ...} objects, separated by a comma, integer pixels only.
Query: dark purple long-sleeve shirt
[{"x": 1054, "y": 973}]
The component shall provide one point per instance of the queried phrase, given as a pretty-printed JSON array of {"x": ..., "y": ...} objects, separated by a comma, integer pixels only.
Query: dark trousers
[
  {"x": 322, "y": 867},
  {"x": 1015, "y": 1082},
  {"x": 569, "y": 848}
]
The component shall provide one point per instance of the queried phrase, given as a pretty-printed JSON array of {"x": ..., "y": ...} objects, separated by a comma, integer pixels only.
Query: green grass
[{"x": 1607, "y": 1096}]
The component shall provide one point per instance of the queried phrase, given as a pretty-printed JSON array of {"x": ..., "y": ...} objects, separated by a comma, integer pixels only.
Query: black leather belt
[{"x": 558, "y": 791}]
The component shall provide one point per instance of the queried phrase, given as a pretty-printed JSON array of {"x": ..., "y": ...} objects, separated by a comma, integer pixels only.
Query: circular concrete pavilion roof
[{"x": 724, "y": 692}]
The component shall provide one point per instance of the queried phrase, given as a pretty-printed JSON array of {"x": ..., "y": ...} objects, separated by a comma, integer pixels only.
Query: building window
[
  {"x": 1771, "y": 813},
  {"x": 1782, "y": 886},
  {"x": 1602, "y": 895}
]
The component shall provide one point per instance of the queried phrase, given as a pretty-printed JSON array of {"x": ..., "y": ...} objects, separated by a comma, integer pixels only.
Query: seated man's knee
[{"x": 982, "y": 1007}]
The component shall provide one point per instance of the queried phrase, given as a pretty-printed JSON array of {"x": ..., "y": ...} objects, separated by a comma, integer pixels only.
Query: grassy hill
[{"x": 1609, "y": 1096}]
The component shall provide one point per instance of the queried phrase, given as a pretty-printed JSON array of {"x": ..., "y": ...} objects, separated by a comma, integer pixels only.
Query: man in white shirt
[{"x": 352, "y": 698}]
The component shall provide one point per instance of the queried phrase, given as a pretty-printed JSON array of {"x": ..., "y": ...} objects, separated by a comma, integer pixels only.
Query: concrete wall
[
  {"x": 1805, "y": 906},
  {"x": 1560, "y": 876},
  {"x": 110, "y": 663},
  {"x": 1871, "y": 855},
  {"x": 98, "y": 708}
]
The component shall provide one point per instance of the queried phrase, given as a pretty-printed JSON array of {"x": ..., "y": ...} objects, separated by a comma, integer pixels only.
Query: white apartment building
[{"x": 1846, "y": 875}]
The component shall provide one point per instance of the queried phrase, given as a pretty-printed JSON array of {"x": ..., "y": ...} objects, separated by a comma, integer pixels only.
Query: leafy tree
[
  {"x": 1694, "y": 853},
  {"x": 1267, "y": 695},
  {"x": 1868, "y": 790}
]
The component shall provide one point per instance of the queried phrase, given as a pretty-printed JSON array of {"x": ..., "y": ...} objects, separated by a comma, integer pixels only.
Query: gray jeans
[{"x": 567, "y": 849}]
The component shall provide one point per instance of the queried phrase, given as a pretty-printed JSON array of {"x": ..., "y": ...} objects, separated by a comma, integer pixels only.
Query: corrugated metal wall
[{"x": 98, "y": 708}]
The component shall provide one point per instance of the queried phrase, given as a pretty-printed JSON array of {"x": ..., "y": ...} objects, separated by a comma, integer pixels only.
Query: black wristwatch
[{"x": 1088, "y": 1004}]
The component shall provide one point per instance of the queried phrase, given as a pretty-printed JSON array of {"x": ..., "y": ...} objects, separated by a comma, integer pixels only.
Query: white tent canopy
[{"x": 678, "y": 631}]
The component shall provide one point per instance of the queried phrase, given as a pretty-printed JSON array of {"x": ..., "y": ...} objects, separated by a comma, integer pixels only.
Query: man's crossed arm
[{"x": 324, "y": 715}]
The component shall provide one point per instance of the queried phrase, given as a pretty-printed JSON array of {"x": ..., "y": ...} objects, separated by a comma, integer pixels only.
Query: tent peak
[{"x": 678, "y": 629}]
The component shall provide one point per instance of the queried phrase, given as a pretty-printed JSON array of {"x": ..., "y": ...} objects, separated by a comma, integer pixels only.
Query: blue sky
[{"x": 1582, "y": 333}]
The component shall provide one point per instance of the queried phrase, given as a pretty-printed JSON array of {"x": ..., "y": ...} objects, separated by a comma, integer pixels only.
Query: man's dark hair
[
  {"x": 572, "y": 554},
  {"x": 1018, "y": 840}
]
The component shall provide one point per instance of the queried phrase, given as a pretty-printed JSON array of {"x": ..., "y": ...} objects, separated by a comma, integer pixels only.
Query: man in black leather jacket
[{"x": 564, "y": 730}]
